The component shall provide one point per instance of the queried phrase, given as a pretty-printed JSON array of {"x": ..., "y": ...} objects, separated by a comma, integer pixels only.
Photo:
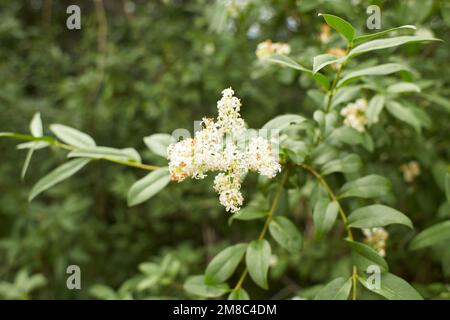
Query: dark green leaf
[
  {"x": 196, "y": 285},
  {"x": 349, "y": 163},
  {"x": 368, "y": 37},
  {"x": 324, "y": 215},
  {"x": 257, "y": 259},
  {"x": 377, "y": 215},
  {"x": 239, "y": 294},
  {"x": 223, "y": 265},
  {"x": 344, "y": 28},
  {"x": 338, "y": 289},
  {"x": 286, "y": 234},
  {"x": 431, "y": 236},
  {"x": 380, "y": 70},
  {"x": 392, "y": 288},
  {"x": 366, "y": 256},
  {"x": 371, "y": 186}
]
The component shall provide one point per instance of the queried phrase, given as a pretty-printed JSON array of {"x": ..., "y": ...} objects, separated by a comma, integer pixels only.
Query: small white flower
[
  {"x": 411, "y": 171},
  {"x": 355, "y": 115},
  {"x": 214, "y": 149},
  {"x": 376, "y": 238},
  {"x": 268, "y": 48}
]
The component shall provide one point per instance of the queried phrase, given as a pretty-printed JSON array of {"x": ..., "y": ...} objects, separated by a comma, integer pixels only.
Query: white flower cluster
[
  {"x": 211, "y": 150},
  {"x": 376, "y": 238},
  {"x": 411, "y": 171},
  {"x": 355, "y": 114},
  {"x": 268, "y": 48}
]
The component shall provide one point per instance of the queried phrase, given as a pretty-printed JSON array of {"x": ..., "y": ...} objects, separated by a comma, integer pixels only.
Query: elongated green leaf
[
  {"x": 32, "y": 145},
  {"x": 283, "y": 121},
  {"x": 158, "y": 143},
  {"x": 59, "y": 174},
  {"x": 106, "y": 153},
  {"x": 402, "y": 87},
  {"x": 288, "y": 62},
  {"x": 338, "y": 289},
  {"x": 324, "y": 216},
  {"x": 196, "y": 285},
  {"x": 345, "y": 94},
  {"x": 239, "y": 294},
  {"x": 404, "y": 114},
  {"x": 392, "y": 287},
  {"x": 351, "y": 136},
  {"x": 371, "y": 186},
  {"x": 377, "y": 215},
  {"x": 372, "y": 36},
  {"x": 26, "y": 137},
  {"x": 349, "y": 163},
  {"x": 431, "y": 236},
  {"x": 249, "y": 213},
  {"x": 379, "y": 44},
  {"x": 344, "y": 28},
  {"x": 26, "y": 164},
  {"x": 36, "y": 125},
  {"x": 322, "y": 60},
  {"x": 286, "y": 234},
  {"x": 147, "y": 187},
  {"x": 223, "y": 265},
  {"x": 380, "y": 70},
  {"x": 438, "y": 100},
  {"x": 72, "y": 136},
  {"x": 257, "y": 259},
  {"x": 374, "y": 109},
  {"x": 365, "y": 256}
]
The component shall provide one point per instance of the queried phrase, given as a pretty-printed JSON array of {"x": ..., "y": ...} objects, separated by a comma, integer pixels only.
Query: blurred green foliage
[{"x": 157, "y": 66}]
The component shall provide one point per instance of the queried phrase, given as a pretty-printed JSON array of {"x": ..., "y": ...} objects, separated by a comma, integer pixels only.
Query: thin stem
[
  {"x": 334, "y": 198},
  {"x": 269, "y": 218}
]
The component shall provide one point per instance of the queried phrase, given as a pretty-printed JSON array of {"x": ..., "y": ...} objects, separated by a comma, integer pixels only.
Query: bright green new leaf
[
  {"x": 36, "y": 125},
  {"x": 377, "y": 215},
  {"x": 391, "y": 287},
  {"x": 59, "y": 174},
  {"x": 374, "y": 108},
  {"x": 147, "y": 187},
  {"x": 324, "y": 216},
  {"x": 257, "y": 260},
  {"x": 158, "y": 143},
  {"x": 431, "y": 236},
  {"x": 344, "y": 28},
  {"x": 365, "y": 256},
  {"x": 223, "y": 265},
  {"x": 379, "y": 44},
  {"x": 380, "y": 70},
  {"x": 371, "y": 186},
  {"x": 286, "y": 234},
  {"x": 372, "y": 36},
  {"x": 338, "y": 289},
  {"x": 196, "y": 285},
  {"x": 349, "y": 163},
  {"x": 239, "y": 294},
  {"x": 72, "y": 136}
]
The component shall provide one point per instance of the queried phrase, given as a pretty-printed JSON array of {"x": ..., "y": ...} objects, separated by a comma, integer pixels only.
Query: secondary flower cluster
[
  {"x": 355, "y": 114},
  {"x": 214, "y": 148},
  {"x": 268, "y": 48},
  {"x": 376, "y": 238},
  {"x": 411, "y": 171}
]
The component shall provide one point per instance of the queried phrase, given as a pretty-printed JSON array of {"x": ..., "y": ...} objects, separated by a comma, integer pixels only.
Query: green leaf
[
  {"x": 345, "y": 94},
  {"x": 351, "y": 136},
  {"x": 377, "y": 215},
  {"x": 223, "y": 265},
  {"x": 374, "y": 109},
  {"x": 324, "y": 216},
  {"x": 249, "y": 213},
  {"x": 431, "y": 236},
  {"x": 447, "y": 186},
  {"x": 404, "y": 114},
  {"x": 402, "y": 87},
  {"x": 257, "y": 260},
  {"x": 387, "y": 43},
  {"x": 283, "y": 121},
  {"x": 127, "y": 154},
  {"x": 367, "y": 37},
  {"x": 196, "y": 285},
  {"x": 147, "y": 187},
  {"x": 239, "y": 294},
  {"x": 392, "y": 288},
  {"x": 26, "y": 164},
  {"x": 288, "y": 62},
  {"x": 158, "y": 143},
  {"x": 72, "y": 136},
  {"x": 349, "y": 163},
  {"x": 380, "y": 70},
  {"x": 371, "y": 186},
  {"x": 364, "y": 256},
  {"x": 36, "y": 125},
  {"x": 322, "y": 60},
  {"x": 338, "y": 289},
  {"x": 344, "y": 28},
  {"x": 59, "y": 174},
  {"x": 286, "y": 234}
]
